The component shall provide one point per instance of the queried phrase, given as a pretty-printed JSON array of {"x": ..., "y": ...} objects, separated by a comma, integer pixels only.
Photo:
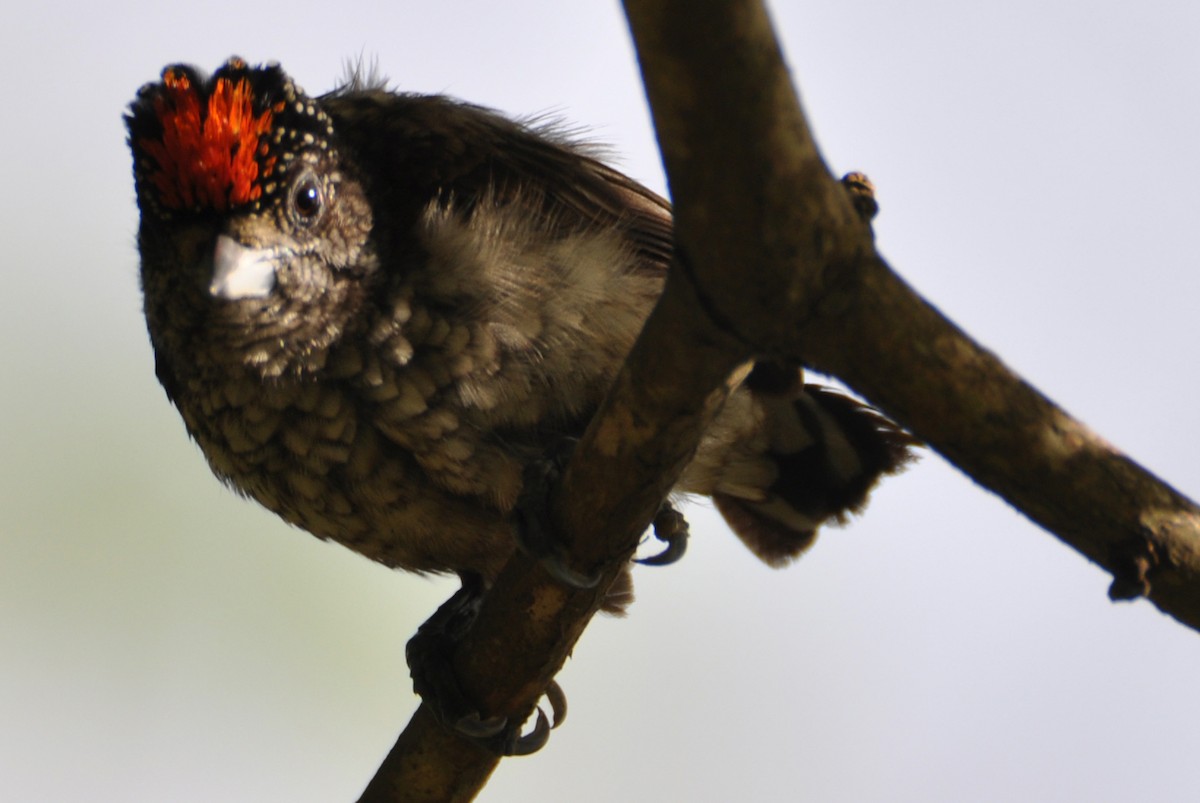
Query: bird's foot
[
  {"x": 535, "y": 531},
  {"x": 536, "y": 534},
  {"x": 671, "y": 528},
  {"x": 430, "y": 655}
]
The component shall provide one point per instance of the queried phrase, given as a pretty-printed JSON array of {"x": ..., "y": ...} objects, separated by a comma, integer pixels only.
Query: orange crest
[{"x": 207, "y": 160}]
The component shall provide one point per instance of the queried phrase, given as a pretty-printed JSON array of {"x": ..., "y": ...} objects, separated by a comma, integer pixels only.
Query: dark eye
[{"x": 306, "y": 200}]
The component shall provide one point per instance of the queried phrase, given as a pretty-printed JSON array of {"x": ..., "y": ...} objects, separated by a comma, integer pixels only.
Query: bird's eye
[{"x": 306, "y": 200}]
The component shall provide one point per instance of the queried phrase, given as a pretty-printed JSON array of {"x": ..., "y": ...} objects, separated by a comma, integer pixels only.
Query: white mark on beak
[{"x": 240, "y": 272}]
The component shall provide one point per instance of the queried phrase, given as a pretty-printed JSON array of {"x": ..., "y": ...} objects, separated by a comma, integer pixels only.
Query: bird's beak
[{"x": 241, "y": 272}]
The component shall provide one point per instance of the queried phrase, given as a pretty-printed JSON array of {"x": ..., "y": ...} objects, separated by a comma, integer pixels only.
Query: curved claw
[
  {"x": 533, "y": 741},
  {"x": 673, "y": 551},
  {"x": 558, "y": 702},
  {"x": 536, "y": 739},
  {"x": 474, "y": 727},
  {"x": 671, "y": 528}
]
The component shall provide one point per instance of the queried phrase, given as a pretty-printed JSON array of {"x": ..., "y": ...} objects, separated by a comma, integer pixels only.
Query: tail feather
[
  {"x": 818, "y": 455},
  {"x": 854, "y": 446}
]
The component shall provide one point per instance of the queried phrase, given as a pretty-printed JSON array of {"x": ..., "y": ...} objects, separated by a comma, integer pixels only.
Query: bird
[{"x": 375, "y": 310}]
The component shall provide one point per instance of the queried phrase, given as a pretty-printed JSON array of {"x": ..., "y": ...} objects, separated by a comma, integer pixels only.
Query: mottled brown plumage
[{"x": 373, "y": 310}]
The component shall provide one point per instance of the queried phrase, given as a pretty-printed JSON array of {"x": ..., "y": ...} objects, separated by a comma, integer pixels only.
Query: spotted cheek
[
  {"x": 303, "y": 281},
  {"x": 345, "y": 231}
]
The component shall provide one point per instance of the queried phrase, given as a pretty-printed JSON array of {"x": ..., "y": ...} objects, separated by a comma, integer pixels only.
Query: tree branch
[
  {"x": 750, "y": 190},
  {"x": 773, "y": 260}
]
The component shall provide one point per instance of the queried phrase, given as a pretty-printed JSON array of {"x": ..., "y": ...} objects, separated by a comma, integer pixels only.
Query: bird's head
[{"x": 251, "y": 227}]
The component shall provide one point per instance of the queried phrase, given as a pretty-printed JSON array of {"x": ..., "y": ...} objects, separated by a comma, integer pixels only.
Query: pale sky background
[{"x": 162, "y": 640}]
